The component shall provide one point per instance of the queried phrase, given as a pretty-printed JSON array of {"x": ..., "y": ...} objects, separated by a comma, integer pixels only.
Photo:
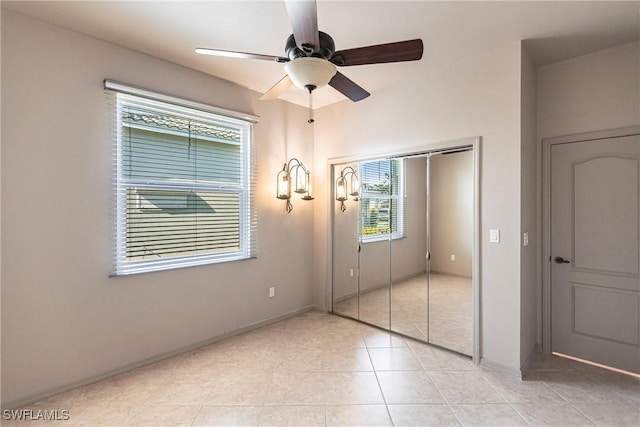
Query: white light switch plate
[{"x": 494, "y": 235}]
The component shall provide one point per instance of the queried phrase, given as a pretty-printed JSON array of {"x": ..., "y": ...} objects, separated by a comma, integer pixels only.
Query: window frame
[{"x": 121, "y": 184}]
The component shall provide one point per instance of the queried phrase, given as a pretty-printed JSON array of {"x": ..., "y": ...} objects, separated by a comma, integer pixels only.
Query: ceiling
[{"x": 452, "y": 31}]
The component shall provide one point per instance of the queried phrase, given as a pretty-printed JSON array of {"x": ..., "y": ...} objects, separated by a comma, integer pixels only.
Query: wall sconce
[
  {"x": 347, "y": 185},
  {"x": 293, "y": 175}
]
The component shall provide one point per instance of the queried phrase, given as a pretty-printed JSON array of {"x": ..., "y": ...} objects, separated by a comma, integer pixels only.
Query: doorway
[{"x": 591, "y": 294}]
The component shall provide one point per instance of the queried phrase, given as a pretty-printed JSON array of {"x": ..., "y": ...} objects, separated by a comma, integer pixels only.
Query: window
[
  {"x": 182, "y": 187},
  {"x": 381, "y": 205}
]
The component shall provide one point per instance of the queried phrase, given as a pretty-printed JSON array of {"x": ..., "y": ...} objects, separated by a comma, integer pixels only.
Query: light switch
[{"x": 494, "y": 235}]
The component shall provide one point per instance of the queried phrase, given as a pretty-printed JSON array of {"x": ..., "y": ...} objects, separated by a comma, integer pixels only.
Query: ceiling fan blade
[
  {"x": 408, "y": 50},
  {"x": 303, "y": 16},
  {"x": 277, "y": 89},
  {"x": 241, "y": 55},
  {"x": 347, "y": 87}
]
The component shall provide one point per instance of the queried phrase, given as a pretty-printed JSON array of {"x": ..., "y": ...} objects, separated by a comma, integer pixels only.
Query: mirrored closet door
[
  {"x": 409, "y": 252},
  {"x": 403, "y": 233},
  {"x": 450, "y": 242}
]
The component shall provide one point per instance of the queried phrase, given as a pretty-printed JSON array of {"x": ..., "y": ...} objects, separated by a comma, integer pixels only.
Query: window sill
[
  {"x": 364, "y": 241},
  {"x": 129, "y": 271}
]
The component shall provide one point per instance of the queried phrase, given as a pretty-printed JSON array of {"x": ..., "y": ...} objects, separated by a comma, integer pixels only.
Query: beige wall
[
  {"x": 529, "y": 213},
  {"x": 472, "y": 96},
  {"x": 64, "y": 321},
  {"x": 590, "y": 93},
  {"x": 451, "y": 213}
]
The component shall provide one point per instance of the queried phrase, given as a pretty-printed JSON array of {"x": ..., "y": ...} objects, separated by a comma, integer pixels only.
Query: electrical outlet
[
  {"x": 351, "y": 272},
  {"x": 453, "y": 257},
  {"x": 272, "y": 291}
]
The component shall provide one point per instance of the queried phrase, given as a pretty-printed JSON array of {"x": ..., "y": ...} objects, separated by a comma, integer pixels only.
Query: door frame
[
  {"x": 473, "y": 142},
  {"x": 547, "y": 144}
]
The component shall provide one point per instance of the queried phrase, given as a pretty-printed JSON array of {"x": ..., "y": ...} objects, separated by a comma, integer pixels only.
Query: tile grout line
[
  {"x": 375, "y": 373},
  {"x": 201, "y": 407},
  {"x": 442, "y": 396},
  {"x": 444, "y": 399},
  {"x": 594, "y": 422},
  {"x": 510, "y": 404}
]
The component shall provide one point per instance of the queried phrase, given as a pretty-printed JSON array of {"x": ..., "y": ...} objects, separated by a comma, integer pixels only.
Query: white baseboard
[
  {"x": 94, "y": 379},
  {"x": 500, "y": 368},
  {"x": 531, "y": 358}
]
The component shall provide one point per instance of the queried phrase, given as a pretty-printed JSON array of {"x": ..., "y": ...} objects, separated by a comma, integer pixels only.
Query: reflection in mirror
[
  {"x": 451, "y": 202},
  {"x": 409, "y": 295},
  {"x": 378, "y": 200},
  {"x": 345, "y": 252},
  {"x": 403, "y": 252}
]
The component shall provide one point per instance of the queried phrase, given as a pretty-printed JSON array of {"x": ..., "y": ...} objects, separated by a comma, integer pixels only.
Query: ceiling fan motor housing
[{"x": 325, "y": 50}]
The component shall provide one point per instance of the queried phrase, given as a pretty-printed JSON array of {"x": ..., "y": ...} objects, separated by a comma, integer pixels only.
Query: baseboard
[
  {"x": 446, "y": 273},
  {"x": 345, "y": 297},
  {"x": 112, "y": 373},
  {"x": 531, "y": 358},
  {"x": 500, "y": 368}
]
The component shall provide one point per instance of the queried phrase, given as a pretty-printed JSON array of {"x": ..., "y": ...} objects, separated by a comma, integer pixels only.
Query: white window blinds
[
  {"x": 183, "y": 187},
  {"x": 382, "y": 201}
]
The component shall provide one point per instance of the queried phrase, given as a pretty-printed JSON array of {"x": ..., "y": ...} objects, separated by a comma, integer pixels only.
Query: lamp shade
[
  {"x": 341, "y": 189},
  {"x": 354, "y": 188},
  {"x": 310, "y": 71},
  {"x": 301, "y": 182},
  {"x": 308, "y": 196},
  {"x": 283, "y": 185}
]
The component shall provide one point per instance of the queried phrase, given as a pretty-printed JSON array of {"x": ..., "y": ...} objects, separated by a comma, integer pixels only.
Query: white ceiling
[{"x": 452, "y": 31}]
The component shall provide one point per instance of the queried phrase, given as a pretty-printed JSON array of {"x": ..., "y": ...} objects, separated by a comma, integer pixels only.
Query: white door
[{"x": 595, "y": 256}]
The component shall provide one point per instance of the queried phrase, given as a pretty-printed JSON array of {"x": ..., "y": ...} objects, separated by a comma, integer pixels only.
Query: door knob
[{"x": 560, "y": 260}]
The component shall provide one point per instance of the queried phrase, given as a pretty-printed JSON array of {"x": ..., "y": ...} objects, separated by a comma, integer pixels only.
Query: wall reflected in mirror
[
  {"x": 403, "y": 248},
  {"x": 345, "y": 253},
  {"x": 451, "y": 246},
  {"x": 379, "y": 193},
  {"x": 409, "y": 292}
]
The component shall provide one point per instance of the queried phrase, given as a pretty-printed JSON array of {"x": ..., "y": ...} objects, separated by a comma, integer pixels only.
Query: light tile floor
[{"x": 317, "y": 369}]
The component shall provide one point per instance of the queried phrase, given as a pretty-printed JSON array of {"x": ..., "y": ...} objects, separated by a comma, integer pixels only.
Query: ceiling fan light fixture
[
  {"x": 311, "y": 56},
  {"x": 310, "y": 71}
]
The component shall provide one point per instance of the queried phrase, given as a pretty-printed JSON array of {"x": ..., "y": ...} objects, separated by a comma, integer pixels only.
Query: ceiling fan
[{"x": 312, "y": 59}]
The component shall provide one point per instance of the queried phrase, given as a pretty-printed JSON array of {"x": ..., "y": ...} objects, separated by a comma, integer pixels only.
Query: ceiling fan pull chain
[{"x": 311, "y": 119}]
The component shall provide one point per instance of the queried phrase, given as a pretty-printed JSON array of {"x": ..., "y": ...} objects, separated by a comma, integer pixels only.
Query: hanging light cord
[{"x": 310, "y": 88}]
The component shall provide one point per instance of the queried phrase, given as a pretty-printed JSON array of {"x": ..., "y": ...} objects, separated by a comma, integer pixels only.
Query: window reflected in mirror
[{"x": 403, "y": 246}]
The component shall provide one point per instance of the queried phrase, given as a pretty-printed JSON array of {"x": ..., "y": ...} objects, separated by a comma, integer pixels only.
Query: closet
[{"x": 403, "y": 244}]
